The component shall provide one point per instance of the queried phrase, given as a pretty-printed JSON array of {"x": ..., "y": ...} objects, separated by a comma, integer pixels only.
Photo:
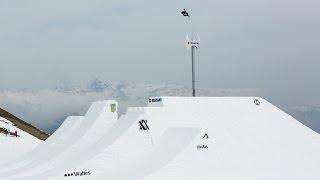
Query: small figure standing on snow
[
  {"x": 16, "y": 133},
  {"x": 6, "y": 132}
]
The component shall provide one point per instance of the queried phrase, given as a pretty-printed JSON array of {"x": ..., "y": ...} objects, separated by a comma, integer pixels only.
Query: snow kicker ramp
[
  {"x": 97, "y": 120},
  {"x": 124, "y": 144},
  {"x": 195, "y": 138},
  {"x": 82, "y": 155},
  {"x": 66, "y": 128}
]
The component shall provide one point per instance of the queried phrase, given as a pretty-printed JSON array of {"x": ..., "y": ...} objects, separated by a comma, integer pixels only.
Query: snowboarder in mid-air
[{"x": 185, "y": 13}]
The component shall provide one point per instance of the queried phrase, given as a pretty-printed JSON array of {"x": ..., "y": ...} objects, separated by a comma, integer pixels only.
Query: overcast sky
[{"x": 272, "y": 45}]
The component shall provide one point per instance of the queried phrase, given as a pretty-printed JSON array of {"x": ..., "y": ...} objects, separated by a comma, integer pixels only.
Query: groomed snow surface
[
  {"x": 223, "y": 138},
  {"x": 11, "y": 146}
]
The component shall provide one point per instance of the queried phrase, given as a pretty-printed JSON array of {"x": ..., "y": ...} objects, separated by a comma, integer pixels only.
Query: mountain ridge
[{"x": 23, "y": 125}]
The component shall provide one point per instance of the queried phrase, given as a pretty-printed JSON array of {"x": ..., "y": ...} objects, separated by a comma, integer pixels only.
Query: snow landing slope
[
  {"x": 17, "y": 137},
  {"x": 12, "y": 147},
  {"x": 56, "y": 140},
  {"x": 221, "y": 138},
  {"x": 26, "y": 127},
  {"x": 86, "y": 131}
]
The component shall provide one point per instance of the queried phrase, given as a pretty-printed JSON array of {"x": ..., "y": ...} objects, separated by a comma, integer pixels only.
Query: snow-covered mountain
[
  {"x": 10, "y": 120},
  {"x": 14, "y": 141}
]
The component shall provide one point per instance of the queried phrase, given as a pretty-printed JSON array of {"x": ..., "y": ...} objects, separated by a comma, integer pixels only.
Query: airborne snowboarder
[{"x": 185, "y": 13}]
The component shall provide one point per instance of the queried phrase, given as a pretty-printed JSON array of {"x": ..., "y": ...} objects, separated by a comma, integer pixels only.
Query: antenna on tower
[{"x": 193, "y": 44}]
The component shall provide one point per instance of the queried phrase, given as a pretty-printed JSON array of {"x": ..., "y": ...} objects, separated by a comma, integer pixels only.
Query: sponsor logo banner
[
  {"x": 151, "y": 100},
  {"x": 78, "y": 174},
  {"x": 144, "y": 125}
]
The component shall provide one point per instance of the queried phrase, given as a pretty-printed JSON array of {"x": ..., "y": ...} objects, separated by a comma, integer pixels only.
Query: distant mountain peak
[{"x": 97, "y": 86}]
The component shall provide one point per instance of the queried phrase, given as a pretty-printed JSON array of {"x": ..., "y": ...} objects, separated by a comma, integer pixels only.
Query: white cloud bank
[{"x": 47, "y": 109}]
